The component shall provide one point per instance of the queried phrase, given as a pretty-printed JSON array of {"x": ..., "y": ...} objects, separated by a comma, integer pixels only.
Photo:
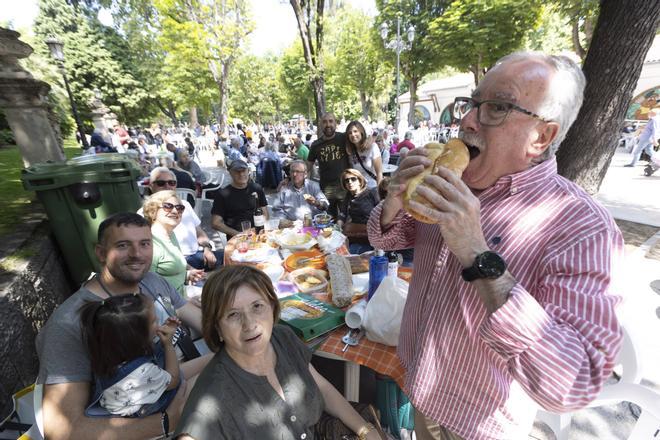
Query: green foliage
[
  {"x": 255, "y": 94},
  {"x": 359, "y": 65},
  {"x": 417, "y": 61},
  {"x": 553, "y": 34},
  {"x": 14, "y": 199},
  {"x": 295, "y": 80},
  {"x": 473, "y": 34},
  {"x": 89, "y": 63}
]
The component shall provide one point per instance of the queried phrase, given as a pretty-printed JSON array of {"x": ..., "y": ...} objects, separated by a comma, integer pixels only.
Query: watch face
[{"x": 491, "y": 265}]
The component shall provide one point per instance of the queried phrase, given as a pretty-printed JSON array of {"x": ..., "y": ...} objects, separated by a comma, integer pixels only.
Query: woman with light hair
[
  {"x": 355, "y": 209},
  {"x": 164, "y": 212}
]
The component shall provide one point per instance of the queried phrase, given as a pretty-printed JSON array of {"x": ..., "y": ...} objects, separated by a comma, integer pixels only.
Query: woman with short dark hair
[{"x": 260, "y": 383}]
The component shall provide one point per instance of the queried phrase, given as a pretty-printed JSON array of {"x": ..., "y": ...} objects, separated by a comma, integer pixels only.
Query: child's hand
[{"x": 166, "y": 331}]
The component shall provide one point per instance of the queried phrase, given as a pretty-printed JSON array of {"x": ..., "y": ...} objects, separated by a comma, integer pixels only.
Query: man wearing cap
[{"x": 237, "y": 202}]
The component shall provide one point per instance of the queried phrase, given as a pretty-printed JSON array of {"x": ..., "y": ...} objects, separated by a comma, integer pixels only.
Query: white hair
[
  {"x": 158, "y": 170},
  {"x": 564, "y": 96}
]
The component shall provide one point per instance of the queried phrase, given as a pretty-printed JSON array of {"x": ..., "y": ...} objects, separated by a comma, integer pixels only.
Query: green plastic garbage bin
[{"x": 78, "y": 195}]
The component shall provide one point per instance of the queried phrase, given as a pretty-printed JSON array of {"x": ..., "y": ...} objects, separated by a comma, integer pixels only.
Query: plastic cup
[
  {"x": 246, "y": 226},
  {"x": 272, "y": 225}
]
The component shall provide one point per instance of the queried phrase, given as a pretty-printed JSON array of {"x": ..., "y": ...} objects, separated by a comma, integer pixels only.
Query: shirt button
[
  {"x": 514, "y": 190},
  {"x": 303, "y": 436},
  {"x": 293, "y": 419}
]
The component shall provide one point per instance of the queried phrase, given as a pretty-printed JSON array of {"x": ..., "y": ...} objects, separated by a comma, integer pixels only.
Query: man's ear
[
  {"x": 99, "y": 250},
  {"x": 544, "y": 138}
]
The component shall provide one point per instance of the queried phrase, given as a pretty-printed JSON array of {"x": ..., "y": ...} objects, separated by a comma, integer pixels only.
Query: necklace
[{"x": 106, "y": 290}]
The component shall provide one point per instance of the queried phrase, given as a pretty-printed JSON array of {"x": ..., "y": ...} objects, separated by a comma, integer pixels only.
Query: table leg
[{"x": 352, "y": 381}]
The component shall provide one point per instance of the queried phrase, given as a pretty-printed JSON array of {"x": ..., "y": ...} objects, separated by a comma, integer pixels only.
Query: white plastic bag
[{"x": 382, "y": 320}]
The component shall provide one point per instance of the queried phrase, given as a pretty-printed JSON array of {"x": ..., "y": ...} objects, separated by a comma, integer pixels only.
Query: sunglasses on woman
[
  {"x": 165, "y": 182},
  {"x": 350, "y": 179},
  {"x": 168, "y": 207}
]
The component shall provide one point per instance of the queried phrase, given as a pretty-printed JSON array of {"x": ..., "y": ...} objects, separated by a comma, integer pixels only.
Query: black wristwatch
[
  {"x": 488, "y": 264},
  {"x": 206, "y": 245},
  {"x": 165, "y": 423}
]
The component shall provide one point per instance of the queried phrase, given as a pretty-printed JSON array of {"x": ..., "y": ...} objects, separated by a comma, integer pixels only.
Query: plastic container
[
  {"x": 78, "y": 195},
  {"x": 309, "y": 280},
  {"x": 377, "y": 271}
]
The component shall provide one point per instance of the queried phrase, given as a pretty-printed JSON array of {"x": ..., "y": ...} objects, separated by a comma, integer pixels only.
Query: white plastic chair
[
  {"x": 185, "y": 194},
  {"x": 627, "y": 389},
  {"x": 26, "y": 420}
]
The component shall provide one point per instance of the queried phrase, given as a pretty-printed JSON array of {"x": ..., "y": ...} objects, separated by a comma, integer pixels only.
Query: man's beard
[{"x": 126, "y": 276}]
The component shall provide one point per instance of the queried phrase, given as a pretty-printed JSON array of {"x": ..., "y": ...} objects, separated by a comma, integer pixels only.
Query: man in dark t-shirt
[
  {"x": 330, "y": 152},
  {"x": 236, "y": 202}
]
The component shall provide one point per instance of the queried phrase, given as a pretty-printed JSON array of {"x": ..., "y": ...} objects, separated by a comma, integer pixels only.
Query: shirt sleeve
[
  {"x": 375, "y": 151},
  {"x": 400, "y": 234},
  {"x": 561, "y": 343},
  {"x": 311, "y": 156},
  {"x": 320, "y": 197}
]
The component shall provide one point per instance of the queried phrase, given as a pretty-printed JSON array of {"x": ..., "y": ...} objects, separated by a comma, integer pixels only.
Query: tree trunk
[
  {"x": 167, "y": 111},
  {"x": 612, "y": 67},
  {"x": 312, "y": 54},
  {"x": 364, "y": 102},
  {"x": 194, "y": 122},
  {"x": 413, "y": 100},
  {"x": 575, "y": 35}
]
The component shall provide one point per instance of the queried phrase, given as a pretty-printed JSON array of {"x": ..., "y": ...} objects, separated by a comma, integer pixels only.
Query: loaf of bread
[
  {"x": 453, "y": 155},
  {"x": 341, "y": 280}
]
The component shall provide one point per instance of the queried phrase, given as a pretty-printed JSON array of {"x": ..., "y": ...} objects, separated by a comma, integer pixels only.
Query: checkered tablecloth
[{"x": 380, "y": 358}]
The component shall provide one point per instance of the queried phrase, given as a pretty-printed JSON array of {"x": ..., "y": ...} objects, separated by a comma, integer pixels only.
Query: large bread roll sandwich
[{"x": 453, "y": 155}]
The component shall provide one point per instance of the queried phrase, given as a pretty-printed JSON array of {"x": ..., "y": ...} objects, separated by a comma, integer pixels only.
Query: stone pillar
[{"x": 23, "y": 100}]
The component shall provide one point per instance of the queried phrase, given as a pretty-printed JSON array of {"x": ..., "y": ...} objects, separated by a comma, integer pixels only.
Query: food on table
[
  {"x": 300, "y": 310},
  {"x": 296, "y": 239},
  {"x": 322, "y": 219},
  {"x": 341, "y": 281},
  {"x": 309, "y": 280},
  {"x": 453, "y": 155},
  {"x": 312, "y": 258}
]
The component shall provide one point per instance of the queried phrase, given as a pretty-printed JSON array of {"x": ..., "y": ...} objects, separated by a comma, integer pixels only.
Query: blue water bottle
[{"x": 377, "y": 271}]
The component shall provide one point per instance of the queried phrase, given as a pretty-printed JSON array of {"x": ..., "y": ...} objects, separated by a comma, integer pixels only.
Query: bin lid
[{"x": 109, "y": 168}]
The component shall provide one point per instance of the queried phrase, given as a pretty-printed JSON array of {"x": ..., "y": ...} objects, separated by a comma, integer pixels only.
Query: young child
[{"x": 133, "y": 376}]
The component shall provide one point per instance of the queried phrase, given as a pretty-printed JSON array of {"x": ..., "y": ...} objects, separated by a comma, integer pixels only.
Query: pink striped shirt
[{"x": 557, "y": 335}]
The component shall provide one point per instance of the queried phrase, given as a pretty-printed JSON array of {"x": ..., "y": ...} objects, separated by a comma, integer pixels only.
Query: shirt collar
[{"x": 529, "y": 178}]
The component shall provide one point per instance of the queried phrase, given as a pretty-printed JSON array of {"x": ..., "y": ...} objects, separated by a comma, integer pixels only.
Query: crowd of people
[{"x": 512, "y": 296}]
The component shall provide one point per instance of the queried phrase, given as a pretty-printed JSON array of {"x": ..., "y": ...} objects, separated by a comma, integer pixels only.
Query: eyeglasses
[
  {"x": 297, "y": 171},
  {"x": 165, "y": 182},
  {"x": 168, "y": 207},
  {"x": 490, "y": 113},
  {"x": 350, "y": 179}
]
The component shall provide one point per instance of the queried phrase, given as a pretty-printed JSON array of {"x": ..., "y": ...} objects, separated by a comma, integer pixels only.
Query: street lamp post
[
  {"x": 398, "y": 45},
  {"x": 56, "y": 51}
]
